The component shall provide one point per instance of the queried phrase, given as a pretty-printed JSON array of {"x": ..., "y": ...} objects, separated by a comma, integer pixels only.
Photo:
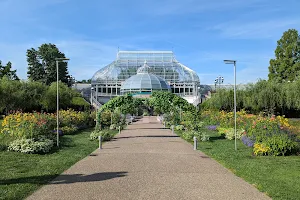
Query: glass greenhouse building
[{"x": 141, "y": 72}]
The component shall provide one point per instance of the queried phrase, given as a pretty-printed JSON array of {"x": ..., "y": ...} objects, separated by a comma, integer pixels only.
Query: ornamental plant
[
  {"x": 28, "y": 125},
  {"x": 260, "y": 149},
  {"x": 31, "y": 146},
  {"x": 247, "y": 141}
]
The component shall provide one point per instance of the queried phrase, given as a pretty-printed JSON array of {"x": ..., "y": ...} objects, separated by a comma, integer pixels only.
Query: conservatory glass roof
[
  {"x": 161, "y": 63},
  {"x": 144, "y": 81}
]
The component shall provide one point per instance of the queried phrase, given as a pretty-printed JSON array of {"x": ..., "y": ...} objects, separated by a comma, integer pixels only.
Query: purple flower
[
  {"x": 212, "y": 127},
  {"x": 247, "y": 141}
]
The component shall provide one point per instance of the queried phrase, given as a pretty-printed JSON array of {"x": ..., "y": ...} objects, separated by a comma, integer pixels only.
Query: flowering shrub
[
  {"x": 230, "y": 134},
  {"x": 212, "y": 127},
  {"x": 31, "y": 146},
  {"x": 247, "y": 141},
  {"x": 268, "y": 135},
  {"x": 260, "y": 149},
  {"x": 74, "y": 118},
  {"x": 279, "y": 144},
  {"x": 31, "y": 125},
  {"x": 66, "y": 130},
  {"x": 28, "y": 125}
]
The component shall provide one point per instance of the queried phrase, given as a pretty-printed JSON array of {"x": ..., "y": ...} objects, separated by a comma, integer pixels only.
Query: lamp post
[
  {"x": 219, "y": 80},
  {"x": 234, "y": 71},
  {"x": 57, "y": 98}
]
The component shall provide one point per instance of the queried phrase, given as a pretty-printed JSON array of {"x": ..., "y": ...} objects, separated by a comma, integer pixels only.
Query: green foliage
[
  {"x": 31, "y": 146},
  {"x": 179, "y": 128},
  {"x": 265, "y": 96},
  {"x": 31, "y": 96},
  {"x": 125, "y": 104},
  {"x": 80, "y": 103},
  {"x": 69, "y": 129},
  {"x": 167, "y": 102},
  {"x": 189, "y": 135},
  {"x": 65, "y": 96},
  {"x": 42, "y": 65},
  {"x": 286, "y": 65},
  {"x": 105, "y": 134},
  {"x": 7, "y": 72},
  {"x": 230, "y": 134},
  {"x": 10, "y": 94},
  {"x": 113, "y": 127},
  {"x": 279, "y": 144}
]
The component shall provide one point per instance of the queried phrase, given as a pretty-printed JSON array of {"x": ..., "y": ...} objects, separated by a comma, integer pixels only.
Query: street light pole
[
  {"x": 57, "y": 99},
  {"x": 234, "y": 97}
]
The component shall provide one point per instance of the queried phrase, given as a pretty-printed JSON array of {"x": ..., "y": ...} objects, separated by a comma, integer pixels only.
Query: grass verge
[
  {"x": 278, "y": 177},
  {"x": 21, "y": 174}
]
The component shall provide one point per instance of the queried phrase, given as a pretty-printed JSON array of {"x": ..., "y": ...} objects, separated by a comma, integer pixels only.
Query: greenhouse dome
[
  {"x": 144, "y": 82},
  {"x": 163, "y": 69}
]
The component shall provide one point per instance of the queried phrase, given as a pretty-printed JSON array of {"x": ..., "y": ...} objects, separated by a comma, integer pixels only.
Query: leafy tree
[
  {"x": 10, "y": 94},
  {"x": 65, "y": 96},
  {"x": 286, "y": 65},
  {"x": 7, "y": 71},
  {"x": 31, "y": 95},
  {"x": 42, "y": 65}
]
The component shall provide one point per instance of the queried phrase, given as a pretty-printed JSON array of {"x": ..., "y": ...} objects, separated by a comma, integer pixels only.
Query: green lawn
[
  {"x": 278, "y": 177},
  {"x": 21, "y": 174}
]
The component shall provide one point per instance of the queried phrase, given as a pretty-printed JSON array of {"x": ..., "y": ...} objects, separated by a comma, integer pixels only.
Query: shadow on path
[{"x": 65, "y": 178}]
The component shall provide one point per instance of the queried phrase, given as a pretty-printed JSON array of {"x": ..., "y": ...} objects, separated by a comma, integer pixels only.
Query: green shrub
[
  {"x": 279, "y": 144},
  {"x": 68, "y": 129},
  {"x": 189, "y": 135},
  {"x": 204, "y": 137},
  {"x": 179, "y": 128},
  {"x": 113, "y": 127},
  {"x": 229, "y": 133},
  {"x": 106, "y": 135},
  {"x": 31, "y": 146}
]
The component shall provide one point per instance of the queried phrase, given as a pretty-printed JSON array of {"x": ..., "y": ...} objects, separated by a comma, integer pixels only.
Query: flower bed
[
  {"x": 27, "y": 129},
  {"x": 268, "y": 135}
]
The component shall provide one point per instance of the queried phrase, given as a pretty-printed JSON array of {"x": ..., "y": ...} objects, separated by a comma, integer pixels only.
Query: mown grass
[
  {"x": 278, "y": 177},
  {"x": 21, "y": 174}
]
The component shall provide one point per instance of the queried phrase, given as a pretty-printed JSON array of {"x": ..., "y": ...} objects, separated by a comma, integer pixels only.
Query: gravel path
[{"x": 145, "y": 162}]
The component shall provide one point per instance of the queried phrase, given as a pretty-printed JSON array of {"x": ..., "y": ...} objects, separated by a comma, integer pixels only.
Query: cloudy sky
[{"x": 201, "y": 33}]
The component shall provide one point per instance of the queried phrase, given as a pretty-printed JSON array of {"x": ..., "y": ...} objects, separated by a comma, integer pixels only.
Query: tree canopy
[
  {"x": 8, "y": 72},
  {"x": 286, "y": 65},
  {"x": 42, "y": 65}
]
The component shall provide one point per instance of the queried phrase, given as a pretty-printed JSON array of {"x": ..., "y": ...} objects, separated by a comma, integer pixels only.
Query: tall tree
[
  {"x": 8, "y": 72},
  {"x": 42, "y": 64},
  {"x": 286, "y": 65}
]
